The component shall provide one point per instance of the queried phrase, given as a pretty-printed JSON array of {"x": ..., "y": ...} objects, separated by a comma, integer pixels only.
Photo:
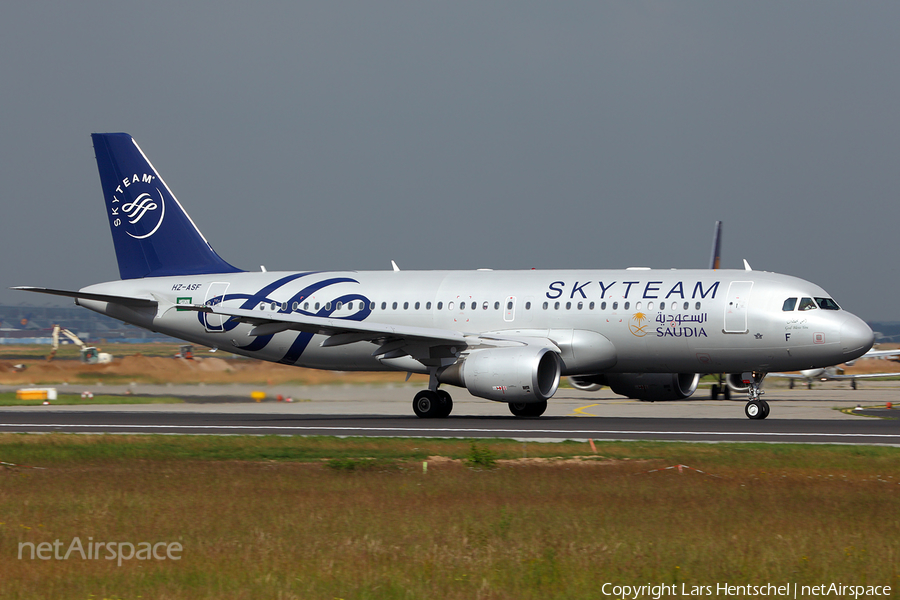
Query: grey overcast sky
[{"x": 459, "y": 135}]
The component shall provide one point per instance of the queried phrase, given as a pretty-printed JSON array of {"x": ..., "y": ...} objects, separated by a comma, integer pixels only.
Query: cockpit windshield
[
  {"x": 807, "y": 304},
  {"x": 827, "y": 304},
  {"x": 789, "y": 304}
]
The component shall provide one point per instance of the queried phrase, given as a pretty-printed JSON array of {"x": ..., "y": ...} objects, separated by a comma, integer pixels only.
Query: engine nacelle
[
  {"x": 653, "y": 386},
  {"x": 736, "y": 382},
  {"x": 526, "y": 374},
  {"x": 586, "y": 383}
]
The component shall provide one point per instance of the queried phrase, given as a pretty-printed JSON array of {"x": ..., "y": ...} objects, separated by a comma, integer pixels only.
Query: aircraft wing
[
  {"x": 394, "y": 340},
  {"x": 864, "y": 376},
  {"x": 880, "y": 354}
]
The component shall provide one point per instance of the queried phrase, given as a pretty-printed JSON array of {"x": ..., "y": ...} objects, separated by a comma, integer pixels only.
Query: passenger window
[
  {"x": 383, "y": 305},
  {"x": 637, "y": 306},
  {"x": 295, "y": 306},
  {"x": 627, "y": 304},
  {"x": 649, "y": 306},
  {"x": 317, "y": 306},
  {"x": 338, "y": 306},
  {"x": 328, "y": 306},
  {"x": 497, "y": 306},
  {"x": 394, "y": 306},
  {"x": 440, "y": 305},
  {"x": 686, "y": 305},
  {"x": 789, "y": 304},
  {"x": 556, "y": 306},
  {"x": 603, "y": 306},
  {"x": 428, "y": 306},
  {"x": 662, "y": 306},
  {"x": 591, "y": 306},
  {"x": 528, "y": 306},
  {"x": 807, "y": 304},
  {"x": 509, "y": 305},
  {"x": 615, "y": 305},
  {"x": 306, "y": 306},
  {"x": 568, "y": 306},
  {"x": 406, "y": 306},
  {"x": 485, "y": 305},
  {"x": 546, "y": 305},
  {"x": 827, "y": 304},
  {"x": 580, "y": 305},
  {"x": 371, "y": 306},
  {"x": 697, "y": 306},
  {"x": 449, "y": 306},
  {"x": 417, "y": 306}
]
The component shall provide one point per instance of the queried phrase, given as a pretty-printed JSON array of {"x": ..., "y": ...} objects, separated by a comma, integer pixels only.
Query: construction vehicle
[
  {"x": 186, "y": 352},
  {"x": 89, "y": 354}
]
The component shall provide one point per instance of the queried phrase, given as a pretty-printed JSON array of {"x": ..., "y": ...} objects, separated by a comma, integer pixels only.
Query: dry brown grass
[
  {"x": 261, "y": 529},
  {"x": 204, "y": 369}
]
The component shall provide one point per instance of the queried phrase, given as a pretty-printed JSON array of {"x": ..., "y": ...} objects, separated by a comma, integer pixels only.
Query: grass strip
[{"x": 9, "y": 399}]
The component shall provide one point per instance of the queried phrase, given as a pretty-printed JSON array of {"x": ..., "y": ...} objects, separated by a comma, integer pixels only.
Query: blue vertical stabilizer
[{"x": 153, "y": 235}]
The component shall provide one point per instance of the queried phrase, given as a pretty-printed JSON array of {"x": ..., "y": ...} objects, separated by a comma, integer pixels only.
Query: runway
[
  {"x": 798, "y": 416},
  {"x": 861, "y": 431}
]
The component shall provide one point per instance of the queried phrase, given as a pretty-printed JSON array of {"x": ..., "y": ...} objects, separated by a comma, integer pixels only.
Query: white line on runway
[{"x": 437, "y": 432}]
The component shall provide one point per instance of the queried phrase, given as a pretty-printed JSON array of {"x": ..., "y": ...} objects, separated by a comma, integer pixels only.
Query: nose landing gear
[{"x": 756, "y": 408}]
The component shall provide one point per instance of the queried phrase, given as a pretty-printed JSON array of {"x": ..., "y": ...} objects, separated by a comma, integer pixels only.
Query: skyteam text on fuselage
[{"x": 506, "y": 336}]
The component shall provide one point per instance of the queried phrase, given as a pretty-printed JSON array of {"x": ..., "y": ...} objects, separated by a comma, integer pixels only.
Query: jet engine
[
  {"x": 586, "y": 383},
  {"x": 520, "y": 375},
  {"x": 652, "y": 386},
  {"x": 736, "y": 382}
]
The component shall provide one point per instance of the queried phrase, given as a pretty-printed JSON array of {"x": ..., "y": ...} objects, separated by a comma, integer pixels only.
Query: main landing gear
[
  {"x": 435, "y": 404},
  {"x": 756, "y": 408}
]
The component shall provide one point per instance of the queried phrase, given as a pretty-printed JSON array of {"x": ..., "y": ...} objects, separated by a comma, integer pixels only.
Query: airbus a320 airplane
[{"x": 505, "y": 336}]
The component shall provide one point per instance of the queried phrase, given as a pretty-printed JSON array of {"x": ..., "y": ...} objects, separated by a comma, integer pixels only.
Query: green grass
[
  {"x": 9, "y": 399},
  {"x": 353, "y": 518}
]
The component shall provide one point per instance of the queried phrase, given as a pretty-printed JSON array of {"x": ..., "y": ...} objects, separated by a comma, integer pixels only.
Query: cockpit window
[
  {"x": 827, "y": 304},
  {"x": 807, "y": 304},
  {"x": 789, "y": 304}
]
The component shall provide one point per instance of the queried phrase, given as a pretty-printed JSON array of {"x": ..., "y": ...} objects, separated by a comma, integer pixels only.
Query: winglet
[{"x": 716, "y": 254}]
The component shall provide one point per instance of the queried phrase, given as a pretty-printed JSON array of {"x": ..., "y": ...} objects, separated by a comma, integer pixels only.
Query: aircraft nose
[{"x": 856, "y": 338}]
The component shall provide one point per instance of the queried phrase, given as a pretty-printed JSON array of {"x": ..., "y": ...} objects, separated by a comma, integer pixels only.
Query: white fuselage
[{"x": 658, "y": 321}]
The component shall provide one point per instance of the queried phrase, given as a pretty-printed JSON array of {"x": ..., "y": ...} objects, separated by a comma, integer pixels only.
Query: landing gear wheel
[
  {"x": 445, "y": 403},
  {"x": 427, "y": 405},
  {"x": 528, "y": 409},
  {"x": 755, "y": 410},
  {"x": 714, "y": 392},
  {"x": 765, "y": 407}
]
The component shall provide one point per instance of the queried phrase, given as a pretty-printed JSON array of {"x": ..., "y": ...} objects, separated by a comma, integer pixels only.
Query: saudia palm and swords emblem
[{"x": 143, "y": 205}]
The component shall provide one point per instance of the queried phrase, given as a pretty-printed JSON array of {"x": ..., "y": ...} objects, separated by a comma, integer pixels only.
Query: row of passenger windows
[
  {"x": 810, "y": 304},
  {"x": 474, "y": 306}
]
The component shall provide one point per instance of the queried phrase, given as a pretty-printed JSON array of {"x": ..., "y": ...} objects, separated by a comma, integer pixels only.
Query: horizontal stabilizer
[{"x": 124, "y": 300}]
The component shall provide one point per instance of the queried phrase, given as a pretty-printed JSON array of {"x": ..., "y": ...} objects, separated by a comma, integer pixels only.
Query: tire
[
  {"x": 714, "y": 392},
  {"x": 754, "y": 410},
  {"x": 765, "y": 407},
  {"x": 426, "y": 405},
  {"x": 445, "y": 403},
  {"x": 528, "y": 409}
]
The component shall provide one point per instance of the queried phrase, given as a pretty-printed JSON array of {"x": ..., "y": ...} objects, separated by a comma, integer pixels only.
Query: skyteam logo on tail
[{"x": 144, "y": 214}]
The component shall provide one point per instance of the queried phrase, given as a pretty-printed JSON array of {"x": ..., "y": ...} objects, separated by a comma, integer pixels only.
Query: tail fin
[{"x": 153, "y": 235}]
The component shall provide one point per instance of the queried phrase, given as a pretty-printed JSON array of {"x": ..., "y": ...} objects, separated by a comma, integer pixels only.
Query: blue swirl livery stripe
[{"x": 263, "y": 296}]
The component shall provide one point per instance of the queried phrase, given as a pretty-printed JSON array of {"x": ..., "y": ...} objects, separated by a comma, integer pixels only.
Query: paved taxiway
[{"x": 811, "y": 416}]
